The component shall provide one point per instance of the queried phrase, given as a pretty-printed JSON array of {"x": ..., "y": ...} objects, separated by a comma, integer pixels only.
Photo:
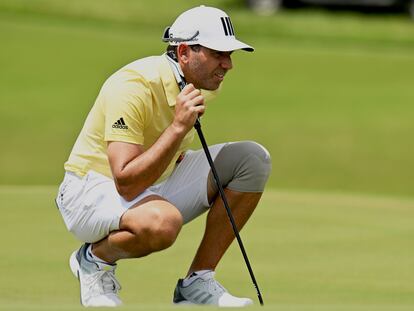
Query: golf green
[{"x": 309, "y": 251}]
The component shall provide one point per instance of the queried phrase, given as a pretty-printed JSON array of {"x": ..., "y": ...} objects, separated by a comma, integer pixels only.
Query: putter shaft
[
  {"x": 197, "y": 126},
  {"x": 182, "y": 83}
]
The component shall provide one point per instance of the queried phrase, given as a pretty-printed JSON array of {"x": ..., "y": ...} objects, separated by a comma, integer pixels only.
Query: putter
[{"x": 197, "y": 126}]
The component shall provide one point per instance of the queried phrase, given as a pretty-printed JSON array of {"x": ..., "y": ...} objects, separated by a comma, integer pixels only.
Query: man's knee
[
  {"x": 157, "y": 228},
  {"x": 243, "y": 166},
  {"x": 163, "y": 229}
]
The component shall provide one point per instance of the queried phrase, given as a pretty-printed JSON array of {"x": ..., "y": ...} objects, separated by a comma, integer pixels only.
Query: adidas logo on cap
[{"x": 120, "y": 124}]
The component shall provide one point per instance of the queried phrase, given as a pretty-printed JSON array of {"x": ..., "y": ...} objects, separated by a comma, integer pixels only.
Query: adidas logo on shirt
[{"x": 120, "y": 124}]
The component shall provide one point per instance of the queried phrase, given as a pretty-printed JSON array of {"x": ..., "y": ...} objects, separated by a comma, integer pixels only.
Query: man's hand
[{"x": 189, "y": 106}]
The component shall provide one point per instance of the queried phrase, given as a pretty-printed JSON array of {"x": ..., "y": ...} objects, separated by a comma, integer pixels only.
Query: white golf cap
[{"x": 206, "y": 26}]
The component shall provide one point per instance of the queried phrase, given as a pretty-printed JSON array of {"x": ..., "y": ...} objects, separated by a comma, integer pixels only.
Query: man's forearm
[{"x": 142, "y": 171}]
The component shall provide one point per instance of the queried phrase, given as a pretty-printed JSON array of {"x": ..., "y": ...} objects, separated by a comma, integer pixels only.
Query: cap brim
[{"x": 227, "y": 45}]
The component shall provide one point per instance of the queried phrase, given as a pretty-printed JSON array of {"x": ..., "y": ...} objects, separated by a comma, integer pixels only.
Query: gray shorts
[{"x": 91, "y": 206}]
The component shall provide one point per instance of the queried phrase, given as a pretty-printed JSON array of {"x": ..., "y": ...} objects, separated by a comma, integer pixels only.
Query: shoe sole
[
  {"x": 189, "y": 303},
  {"x": 184, "y": 302}
]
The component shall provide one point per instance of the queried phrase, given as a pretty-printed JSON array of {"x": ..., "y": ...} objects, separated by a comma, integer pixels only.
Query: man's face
[{"x": 206, "y": 68}]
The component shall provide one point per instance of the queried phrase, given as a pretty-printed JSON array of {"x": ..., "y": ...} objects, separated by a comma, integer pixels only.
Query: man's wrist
[{"x": 178, "y": 130}]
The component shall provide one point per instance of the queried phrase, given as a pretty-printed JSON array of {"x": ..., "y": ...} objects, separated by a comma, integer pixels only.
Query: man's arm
[{"x": 135, "y": 169}]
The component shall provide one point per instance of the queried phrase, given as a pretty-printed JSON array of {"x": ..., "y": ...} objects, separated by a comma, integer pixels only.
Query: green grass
[
  {"x": 309, "y": 251},
  {"x": 329, "y": 95}
]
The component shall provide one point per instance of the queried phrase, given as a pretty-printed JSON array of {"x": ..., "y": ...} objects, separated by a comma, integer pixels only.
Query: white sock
[
  {"x": 189, "y": 279},
  {"x": 92, "y": 257}
]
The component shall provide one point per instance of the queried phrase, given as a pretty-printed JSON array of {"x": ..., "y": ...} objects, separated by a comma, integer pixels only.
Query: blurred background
[
  {"x": 374, "y": 6},
  {"x": 329, "y": 92}
]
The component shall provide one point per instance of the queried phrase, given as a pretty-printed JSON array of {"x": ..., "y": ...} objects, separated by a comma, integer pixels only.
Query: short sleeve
[{"x": 128, "y": 107}]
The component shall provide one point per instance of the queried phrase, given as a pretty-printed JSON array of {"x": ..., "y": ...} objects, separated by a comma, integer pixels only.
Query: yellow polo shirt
[{"x": 135, "y": 105}]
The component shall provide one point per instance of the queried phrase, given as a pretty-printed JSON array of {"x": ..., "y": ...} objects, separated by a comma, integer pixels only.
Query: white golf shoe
[
  {"x": 98, "y": 285},
  {"x": 205, "y": 290}
]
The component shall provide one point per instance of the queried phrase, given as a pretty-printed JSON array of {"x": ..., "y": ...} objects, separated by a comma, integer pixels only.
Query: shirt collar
[
  {"x": 168, "y": 73},
  {"x": 178, "y": 73}
]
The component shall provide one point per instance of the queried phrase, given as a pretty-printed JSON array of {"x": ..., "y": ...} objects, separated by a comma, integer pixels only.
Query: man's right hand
[{"x": 189, "y": 106}]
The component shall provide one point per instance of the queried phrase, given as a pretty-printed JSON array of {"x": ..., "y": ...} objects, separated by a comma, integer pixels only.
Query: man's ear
[{"x": 183, "y": 51}]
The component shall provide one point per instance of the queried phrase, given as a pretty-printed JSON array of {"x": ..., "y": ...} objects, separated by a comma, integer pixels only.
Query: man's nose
[{"x": 226, "y": 62}]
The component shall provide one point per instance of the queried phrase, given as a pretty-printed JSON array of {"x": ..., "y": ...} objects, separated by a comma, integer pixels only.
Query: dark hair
[
  {"x": 195, "y": 47},
  {"x": 172, "y": 50}
]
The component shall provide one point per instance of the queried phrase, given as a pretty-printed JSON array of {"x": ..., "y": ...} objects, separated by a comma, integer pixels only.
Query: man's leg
[
  {"x": 218, "y": 233},
  {"x": 151, "y": 225},
  {"x": 93, "y": 211},
  {"x": 243, "y": 168},
  {"x": 148, "y": 226}
]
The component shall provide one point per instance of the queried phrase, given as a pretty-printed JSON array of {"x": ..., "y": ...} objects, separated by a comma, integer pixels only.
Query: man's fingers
[
  {"x": 200, "y": 110},
  {"x": 190, "y": 105},
  {"x": 197, "y": 101},
  {"x": 189, "y": 92},
  {"x": 193, "y": 96},
  {"x": 188, "y": 89}
]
